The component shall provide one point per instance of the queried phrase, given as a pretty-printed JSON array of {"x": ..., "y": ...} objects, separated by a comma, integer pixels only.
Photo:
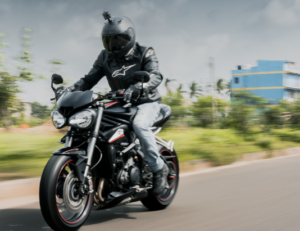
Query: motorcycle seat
[{"x": 164, "y": 115}]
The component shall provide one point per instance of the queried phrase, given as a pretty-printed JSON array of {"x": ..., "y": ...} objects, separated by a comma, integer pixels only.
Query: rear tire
[
  {"x": 162, "y": 201},
  {"x": 51, "y": 191}
]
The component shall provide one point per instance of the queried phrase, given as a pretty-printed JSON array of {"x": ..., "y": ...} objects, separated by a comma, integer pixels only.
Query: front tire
[
  {"x": 163, "y": 200},
  {"x": 55, "y": 203}
]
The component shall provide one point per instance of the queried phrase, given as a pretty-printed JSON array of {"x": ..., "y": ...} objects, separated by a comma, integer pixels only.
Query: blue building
[{"x": 273, "y": 80}]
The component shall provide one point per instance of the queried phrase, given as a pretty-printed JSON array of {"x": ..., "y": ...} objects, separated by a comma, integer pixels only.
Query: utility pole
[{"x": 212, "y": 78}]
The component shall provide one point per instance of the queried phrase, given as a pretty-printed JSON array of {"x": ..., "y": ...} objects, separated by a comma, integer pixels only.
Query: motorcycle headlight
[
  {"x": 58, "y": 120},
  {"x": 83, "y": 119}
]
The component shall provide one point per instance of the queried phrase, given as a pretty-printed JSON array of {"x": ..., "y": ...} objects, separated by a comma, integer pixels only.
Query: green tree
[
  {"x": 9, "y": 82},
  {"x": 242, "y": 113},
  {"x": 40, "y": 111},
  {"x": 175, "y": 101},
  {"x": 25, "y": 58},
  {"x": 274, "y": 117},
  {"x": 220, "y": 85},
  {"x": 167, "y": 84},
  {"x": 179, "y": 89},
  {"x": 195, "y": 90},
  {"x": 8, "y": 88},
  {"x": 228, "y": 87},
  {"x": 290, "y": 113},
  {"x": 203, "y": 111}
]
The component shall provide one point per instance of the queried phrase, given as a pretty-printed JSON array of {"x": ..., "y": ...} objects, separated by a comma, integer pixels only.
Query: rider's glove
[
  {"x": 72, "y": 88},
  {"x": 133, "y": 92},
  {"x": 59, "y": 91},
  {"x": 62, "y": 89}
]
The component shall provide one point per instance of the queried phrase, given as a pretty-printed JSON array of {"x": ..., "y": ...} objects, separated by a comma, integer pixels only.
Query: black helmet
[{"x": 118, "y": 35}]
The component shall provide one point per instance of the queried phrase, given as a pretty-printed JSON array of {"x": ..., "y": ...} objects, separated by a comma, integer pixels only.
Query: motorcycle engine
[
  {"x": 134, "y": 175},
  {"x": 130, "y": 174}
]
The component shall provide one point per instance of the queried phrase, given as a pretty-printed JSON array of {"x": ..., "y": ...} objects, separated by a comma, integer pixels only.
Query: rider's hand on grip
[
  {"x": 133, "y": 92},
  {"x": 59, "y": 91}
]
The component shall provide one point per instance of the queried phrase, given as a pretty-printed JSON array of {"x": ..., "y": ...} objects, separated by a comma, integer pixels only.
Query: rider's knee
[{"x": 140, "y": 125}]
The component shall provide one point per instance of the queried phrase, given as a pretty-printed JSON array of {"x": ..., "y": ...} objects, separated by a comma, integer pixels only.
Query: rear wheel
[
  {"x": 163, "y": 200},
  {"x": 62, "y": 207}
]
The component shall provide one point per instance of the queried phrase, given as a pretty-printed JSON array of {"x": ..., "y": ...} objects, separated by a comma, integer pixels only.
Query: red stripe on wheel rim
[{"x": 85, "y": 211}]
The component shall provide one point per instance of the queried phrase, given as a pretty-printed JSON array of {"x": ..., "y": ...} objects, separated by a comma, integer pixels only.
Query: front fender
[
  {"x": 80, "y": 154},
  {"x": 68, "y": 151}
]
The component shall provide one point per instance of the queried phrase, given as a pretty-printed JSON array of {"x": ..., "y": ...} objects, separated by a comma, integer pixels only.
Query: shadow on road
[
  {"x": 32, "y": 219},
  {"x": 121, "y": 212}
]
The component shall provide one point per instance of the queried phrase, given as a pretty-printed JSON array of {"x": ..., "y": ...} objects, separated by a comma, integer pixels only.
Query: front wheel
[
  {"x": 166, "y": 197},
  {"x": 62, "y": 208}
]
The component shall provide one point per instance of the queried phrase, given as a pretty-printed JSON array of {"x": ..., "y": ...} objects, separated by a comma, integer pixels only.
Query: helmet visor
[{"x": 117, "y": 42}]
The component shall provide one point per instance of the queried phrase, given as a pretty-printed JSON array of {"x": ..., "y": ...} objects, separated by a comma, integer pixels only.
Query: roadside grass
[
  {"x": 220, "y": 146},
  {"x": 24, "y": 155},
  {"x": 287, "y": 134}
]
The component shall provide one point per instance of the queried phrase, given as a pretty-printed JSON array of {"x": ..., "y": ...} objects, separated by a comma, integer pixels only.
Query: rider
[{"x": 121, "y": 57}]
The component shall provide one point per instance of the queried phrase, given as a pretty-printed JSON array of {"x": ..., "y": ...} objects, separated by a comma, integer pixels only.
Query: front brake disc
[{"x": 73, "y": 202}]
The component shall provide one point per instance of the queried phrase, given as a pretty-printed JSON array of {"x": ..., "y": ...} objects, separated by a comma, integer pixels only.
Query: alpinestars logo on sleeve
[
  {"x": 122, "y": 71},
  {"x": 149, "y": 53}
]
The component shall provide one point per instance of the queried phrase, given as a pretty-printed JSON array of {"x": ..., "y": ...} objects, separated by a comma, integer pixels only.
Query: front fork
[{"x": 92, "y": 141}]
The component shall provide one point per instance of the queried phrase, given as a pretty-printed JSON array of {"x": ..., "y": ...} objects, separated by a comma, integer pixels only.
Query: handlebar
[{"x": 116, "y": 95}]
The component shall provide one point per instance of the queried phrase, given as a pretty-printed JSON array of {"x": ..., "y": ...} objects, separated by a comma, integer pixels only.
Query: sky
[{"x": 183, "y": 33}]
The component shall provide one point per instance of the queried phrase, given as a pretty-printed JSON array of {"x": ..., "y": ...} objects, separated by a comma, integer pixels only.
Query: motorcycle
[{"x": 101, "y": 165}]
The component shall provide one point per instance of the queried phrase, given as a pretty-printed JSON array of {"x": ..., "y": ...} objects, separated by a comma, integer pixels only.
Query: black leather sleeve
[
  {"x": 150, "y": 64},
  {"x": 94, "y": 75}
]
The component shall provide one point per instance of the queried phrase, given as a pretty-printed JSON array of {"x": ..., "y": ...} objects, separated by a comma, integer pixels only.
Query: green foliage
[
  {"x": 9, "y": 82},
  {"x": 195, "y": 90},
  {"x": 56, "y": 62},
  {"x": 220, "y": 85},
  {"x": 34, "y": 121},
  {"x": 273, "y": 117},
  {"x": 25, "y": 73},
  {"x": 203, "y": 112},
  {"x": 287, "y": 134},
  {"x": 179, "y": 89},
  {"x": 40, "y": 111},
  {"x": 175, "y": 101},
  {"x": 283, "y": 115},
  {"x": 8, "y": 90},
  {"x": 167, "y": 84},
  {"x": 264, "y": 143},
  {"x": 28, "y": 158},
  {"x": 219, "y": 146},
  {"x": 247, "y": 98},
  {"x": 294, "y": 112},
  {"x": 243, "y": 112}
]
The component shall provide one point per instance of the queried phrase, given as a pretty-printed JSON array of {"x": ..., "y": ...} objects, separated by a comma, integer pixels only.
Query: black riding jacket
[{"x": 119, "y": 73}]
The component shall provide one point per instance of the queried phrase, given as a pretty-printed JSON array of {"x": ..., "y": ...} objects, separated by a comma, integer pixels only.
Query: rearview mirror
[
  {"x": 57, "y": 79},
  {"x": 142, "y": 76}
]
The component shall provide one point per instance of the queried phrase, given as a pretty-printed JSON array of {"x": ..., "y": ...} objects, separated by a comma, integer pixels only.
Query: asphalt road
[{"x": 263, "y": 196}]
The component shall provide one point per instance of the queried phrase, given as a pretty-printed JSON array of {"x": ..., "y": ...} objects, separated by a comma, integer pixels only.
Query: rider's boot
[{"x": 160, "y": 180}]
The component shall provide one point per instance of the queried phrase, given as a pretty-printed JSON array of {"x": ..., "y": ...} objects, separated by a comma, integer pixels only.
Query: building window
[{"x": 236, "y": 80}]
